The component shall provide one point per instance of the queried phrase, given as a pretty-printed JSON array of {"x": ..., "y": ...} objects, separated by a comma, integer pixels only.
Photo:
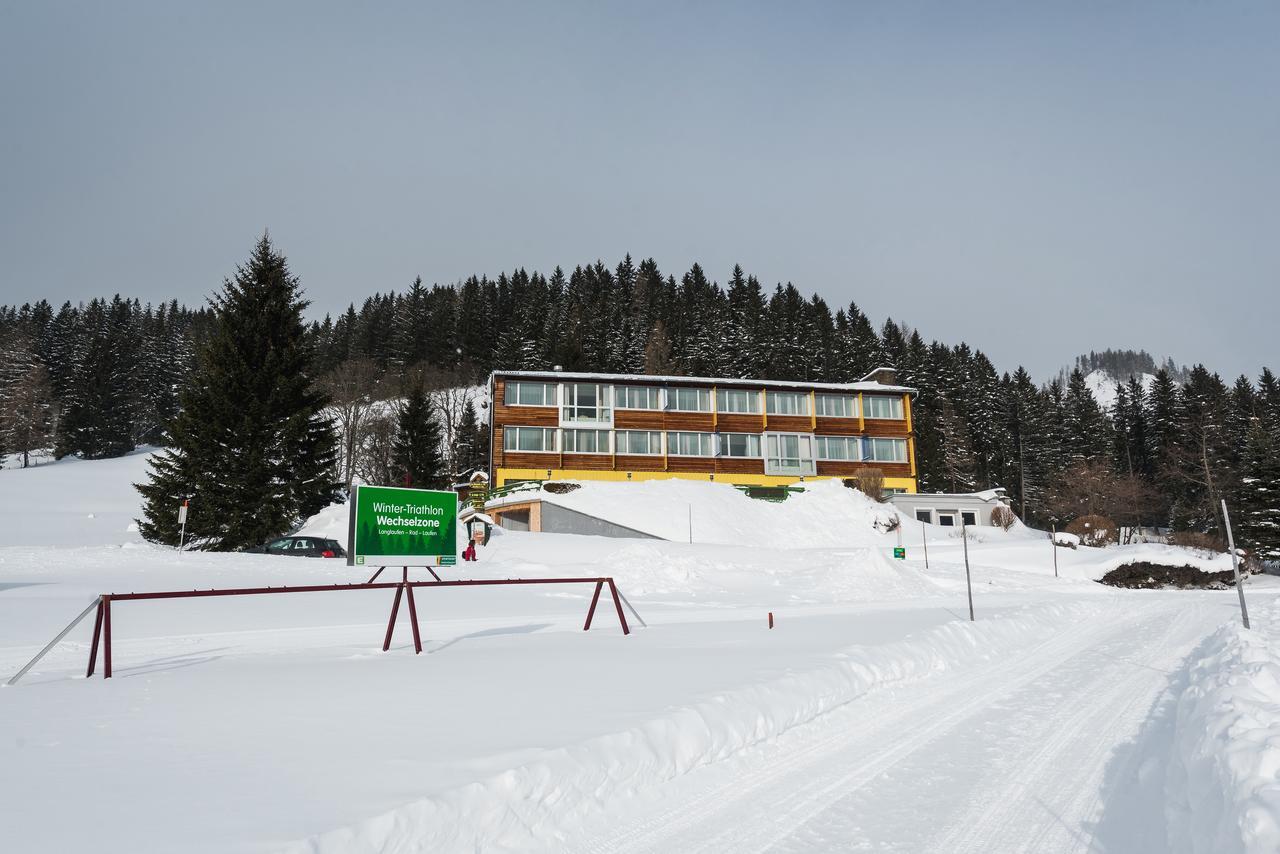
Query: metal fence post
[
  {"x": 968, "y": 583},
  {"x": 1235, "y": 565}
]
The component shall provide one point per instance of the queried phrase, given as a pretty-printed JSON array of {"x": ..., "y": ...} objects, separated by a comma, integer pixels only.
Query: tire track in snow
[
  {"x": 1070, "y": 753},
  {"x": 897, "y": 724}
]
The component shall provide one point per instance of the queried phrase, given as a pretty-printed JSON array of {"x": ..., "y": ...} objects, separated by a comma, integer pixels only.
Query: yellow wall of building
[{"x": 504, "y": 476}]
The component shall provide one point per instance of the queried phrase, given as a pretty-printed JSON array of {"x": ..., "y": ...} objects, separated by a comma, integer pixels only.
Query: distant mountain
[
  {"x": 1107, "y": 370},
  {"x": 1104, "y": 385}
]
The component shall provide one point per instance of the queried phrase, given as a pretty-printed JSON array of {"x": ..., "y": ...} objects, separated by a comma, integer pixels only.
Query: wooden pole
[{"x": 1053, "y": 535}]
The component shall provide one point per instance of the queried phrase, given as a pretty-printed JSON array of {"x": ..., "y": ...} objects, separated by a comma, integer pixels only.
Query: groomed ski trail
[{"x": 1028, "y": 780}]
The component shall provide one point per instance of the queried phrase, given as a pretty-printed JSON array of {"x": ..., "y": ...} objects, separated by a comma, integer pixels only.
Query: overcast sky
[{"x": 1038, "y": 180}]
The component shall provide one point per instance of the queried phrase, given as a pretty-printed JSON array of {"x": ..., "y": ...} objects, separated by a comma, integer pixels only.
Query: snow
[
  {"x": 1225, "y": 779},
  {"x": 276, "y": 723},
  {"x": 622, "y": 379},
  {"x": 1104, "y": 387}
]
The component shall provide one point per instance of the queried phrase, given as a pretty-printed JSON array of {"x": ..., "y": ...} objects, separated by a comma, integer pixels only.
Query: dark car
[{"x": 300, "y": 547}]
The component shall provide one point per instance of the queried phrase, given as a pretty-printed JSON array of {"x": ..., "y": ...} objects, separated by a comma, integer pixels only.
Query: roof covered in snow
[{"x": 575, "y": 376}]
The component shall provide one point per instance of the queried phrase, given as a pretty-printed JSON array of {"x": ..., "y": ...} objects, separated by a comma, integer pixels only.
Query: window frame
[
  {"x": 653, "y": 452},
  {"x": 603, "y": 406},
  {"x": 673, "y": 398},
  {"x": 722, "y": 444},
  {"x": 624, "y": 388},
  {"x": 853, "y": 442},
  {"x": 564, "y": 443},
  {"x": 752, "y": 395},
  {"x": 804, "y": 412},
  {"x": 711, "y": 442},
  {"x": 897, "y": 405},
  {"x": 510, "y": 384},
  {"x": 869, "y": 444},
  {"x": 773, "y": 465},
  {"x": 821, "y": 396},
  {"x": 506, "y": 431}
]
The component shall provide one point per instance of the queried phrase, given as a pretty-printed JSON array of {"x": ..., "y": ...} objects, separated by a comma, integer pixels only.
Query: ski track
[{"x": 806, "y": 791}]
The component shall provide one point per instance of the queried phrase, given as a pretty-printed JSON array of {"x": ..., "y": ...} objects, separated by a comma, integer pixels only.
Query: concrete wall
[{"x": 560, "y": 520}]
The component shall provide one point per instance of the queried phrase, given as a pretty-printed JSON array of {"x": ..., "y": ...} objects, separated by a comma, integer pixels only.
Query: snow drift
[{"x": 1224, "y": 777}]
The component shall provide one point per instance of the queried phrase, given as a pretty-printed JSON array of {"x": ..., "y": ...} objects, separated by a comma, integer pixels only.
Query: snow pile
[
  {"x": 826, "y": 514},
  {"x": 536, "y": 806},
  {"x": 1224, "y": 780}
]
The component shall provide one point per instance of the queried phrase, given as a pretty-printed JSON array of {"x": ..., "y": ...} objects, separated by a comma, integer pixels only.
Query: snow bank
[
  {"x": 537, "y": 805},
  {"x": 1224, "y": 777},
  {"x": 826, "y": 514}
]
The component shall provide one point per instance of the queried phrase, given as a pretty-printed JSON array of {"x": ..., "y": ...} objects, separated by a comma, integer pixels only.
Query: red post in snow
[
  {"x": 591, "y": 612},
  {"x": 413, "y": 619},
  {"x": 626, "y": 630},
  {"x": 97, "y": 633},
  {"x": 391, "y": 624},
  {"x": 106, "y": 637},
  {"x": 770, "y": 619}
]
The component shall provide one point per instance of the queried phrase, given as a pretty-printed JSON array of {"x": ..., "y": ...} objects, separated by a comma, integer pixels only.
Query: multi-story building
[{"x": 549, "y": 425}]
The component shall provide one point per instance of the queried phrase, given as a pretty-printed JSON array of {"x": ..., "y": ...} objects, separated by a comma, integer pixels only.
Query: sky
[{"x": 1039, "y": 180}]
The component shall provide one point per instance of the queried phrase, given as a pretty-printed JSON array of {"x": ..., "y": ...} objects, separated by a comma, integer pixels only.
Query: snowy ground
[{"x": 875, "y": 716}]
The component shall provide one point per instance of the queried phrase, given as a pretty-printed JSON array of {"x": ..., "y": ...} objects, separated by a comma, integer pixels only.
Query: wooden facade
[{"x": 512, "y": 465}]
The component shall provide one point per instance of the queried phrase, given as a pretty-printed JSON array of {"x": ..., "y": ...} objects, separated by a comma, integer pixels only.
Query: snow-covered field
[{"x": 875, "y": 716}]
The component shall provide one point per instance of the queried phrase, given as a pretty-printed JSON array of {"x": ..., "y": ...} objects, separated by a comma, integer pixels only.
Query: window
[
  {"x": 739, "y": 445},
  {"x": 879, "y": 406},
  {"x": 845, "y": 448},
  {"x": 585, "y": 402},
  {"x": 837, "y": 405},
  {"x": 689, "y": 399},
  {"x": 638, "y": 442},
  {"x": 737, "y": 400},
  {"x": 689, "y": 444},
  {"x": 528, "y": 439},
  {"x": 586, "y": 441},
  {"x": 530, "y": 394},
  {"x": 925, "y": 516},
  {"x": 788, "y": 403},
  {"x": 788, "y": 453},
  {"x": 947, "y": 519},
  {"x": 885, "y": 450},
  {"x": 637, "y": 397},
  {"x": 969, "y": 517}
]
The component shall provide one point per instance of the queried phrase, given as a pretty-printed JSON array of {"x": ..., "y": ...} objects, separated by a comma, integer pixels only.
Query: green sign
[
  {"x": 410, "y": 527},
  {"x": 900, "y": 553}
]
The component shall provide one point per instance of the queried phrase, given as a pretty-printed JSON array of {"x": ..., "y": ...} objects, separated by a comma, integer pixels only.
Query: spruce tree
[
  {"x": 250, "y": 445},
  {"x": 1257, "y": 506},
  {"x": 415, "y": 453}
]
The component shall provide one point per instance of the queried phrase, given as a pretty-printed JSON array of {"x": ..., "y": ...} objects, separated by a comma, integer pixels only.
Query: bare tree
[
  {"x": 26, "y": 413},
  {"x": 374, "y": 454},
  {"x": 450, "y": 392},
  {"x": 354, "y": 389},
  {"x": 870, "y": 482}
]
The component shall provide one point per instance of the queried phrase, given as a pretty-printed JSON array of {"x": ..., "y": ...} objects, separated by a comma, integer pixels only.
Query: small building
[
  {"x": 951, "y": 509},
  {"x": 558, "y": 425}
]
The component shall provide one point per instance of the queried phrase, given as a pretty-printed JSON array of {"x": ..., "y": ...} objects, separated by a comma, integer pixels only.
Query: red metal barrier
[{"x": 404, "y": 589}]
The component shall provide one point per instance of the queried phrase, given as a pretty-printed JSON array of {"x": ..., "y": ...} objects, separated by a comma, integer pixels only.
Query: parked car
[{"x": 300, "y": 547}]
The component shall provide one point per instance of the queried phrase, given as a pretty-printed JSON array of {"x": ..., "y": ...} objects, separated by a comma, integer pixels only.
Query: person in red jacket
[{"x": 469, "y": 553}]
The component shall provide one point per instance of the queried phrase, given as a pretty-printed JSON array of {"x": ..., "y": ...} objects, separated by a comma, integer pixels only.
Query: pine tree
[
  {"x": 250, "y": 445},
  {"x": 1257, "y": 506},
  {"x": 415, "y": 453},
  {"x": 473, "y": 443}
]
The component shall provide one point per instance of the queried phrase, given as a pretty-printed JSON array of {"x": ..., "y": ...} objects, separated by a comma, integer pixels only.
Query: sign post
[
  {"x": 402, "y": 526},
  {"x": 182, "y": 520},
  {"x": 899, "y": 552}
]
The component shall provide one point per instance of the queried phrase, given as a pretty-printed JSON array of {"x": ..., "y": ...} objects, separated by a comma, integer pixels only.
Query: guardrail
[{"x": 403, "y": 588}]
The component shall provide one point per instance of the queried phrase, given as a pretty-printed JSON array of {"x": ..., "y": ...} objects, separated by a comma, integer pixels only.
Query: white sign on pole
[{"x": 182, "y": 514}]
